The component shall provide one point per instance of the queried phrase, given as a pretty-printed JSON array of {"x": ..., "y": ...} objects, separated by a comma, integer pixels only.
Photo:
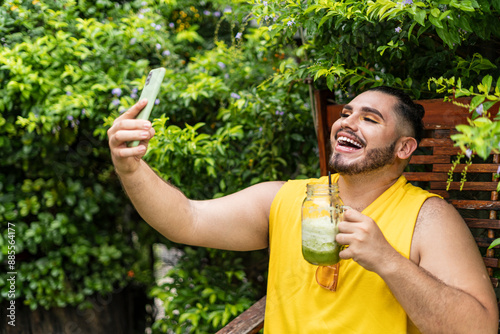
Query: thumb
[{"x": 134, "y": 110}]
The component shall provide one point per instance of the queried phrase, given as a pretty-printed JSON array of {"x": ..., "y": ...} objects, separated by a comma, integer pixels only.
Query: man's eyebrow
[{"x": 367, "y": 110}]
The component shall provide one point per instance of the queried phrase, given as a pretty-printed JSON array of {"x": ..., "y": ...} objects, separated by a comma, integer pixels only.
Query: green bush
[
  {"x": 205, "y": 292},
  {"x": 59, "y": 63},
  {"x": 67, "y": 70}
]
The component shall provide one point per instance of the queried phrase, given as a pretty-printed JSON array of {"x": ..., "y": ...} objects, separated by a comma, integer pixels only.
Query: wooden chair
[{"x": 477, "y": 202}]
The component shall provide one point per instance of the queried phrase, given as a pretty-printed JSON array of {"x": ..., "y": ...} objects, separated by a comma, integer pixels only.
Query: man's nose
[{"x": 349, "y": 122}]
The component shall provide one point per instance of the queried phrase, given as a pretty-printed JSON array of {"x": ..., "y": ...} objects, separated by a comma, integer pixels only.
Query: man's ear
[{"x": 406, "y": 147}]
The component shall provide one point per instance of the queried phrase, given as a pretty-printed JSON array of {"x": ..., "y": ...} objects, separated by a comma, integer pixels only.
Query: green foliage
[
  {"x": 482, "y": 135},
  {"x": 67, "y": 70},
  {"x": 224, "y": 130},
  {"x": 218, "y": 290},
  {"x": 349, "y": 46},
  {"x": 59, "y": 62}
]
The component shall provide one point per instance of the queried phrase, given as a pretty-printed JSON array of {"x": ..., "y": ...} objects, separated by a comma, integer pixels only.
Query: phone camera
[{"x": 148, "y": 78}]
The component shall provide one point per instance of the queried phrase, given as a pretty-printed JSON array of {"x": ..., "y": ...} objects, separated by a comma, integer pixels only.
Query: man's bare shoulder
[
  {"x": 274, "y": 184},
  {"x": 436, "y": 210},
  {"x": 269, "y": 188},
  {"x": 438, "y": 225},
  {"x": 259, "y": 195},
  {"x": 442, "y": 241}
]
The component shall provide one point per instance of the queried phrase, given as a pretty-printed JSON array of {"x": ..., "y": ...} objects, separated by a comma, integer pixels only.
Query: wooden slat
[
  {"x": 443, "y": 193},
  {"x": 490, "y": 262},
  {"x": 326, "y": 115},
  {"x": 423, "y": 176},
  {"x": 483, "y": 223},
  {"x": 469, "y": 185},
  {"x": 443, "y": 134},
  {"x": 479, "y": 205},
  {"x": 431, "y": 142},
  {"x": 444, "y": 126},
  {"x": 249, "y": 322},
  {"x": 429, "y": 159},
  {"x": 333, "y": 113},
  {"x": 485, "y": 242},
  {"x": 447, "y": 150},
  {"x": 444, "y": 115},
  {"x": 474, "y": 168}
]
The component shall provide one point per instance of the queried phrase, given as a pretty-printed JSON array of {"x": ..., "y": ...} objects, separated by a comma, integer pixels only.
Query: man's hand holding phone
[
  {"x": 130, "y": 134},
  {"x": 127, "y": 128}
]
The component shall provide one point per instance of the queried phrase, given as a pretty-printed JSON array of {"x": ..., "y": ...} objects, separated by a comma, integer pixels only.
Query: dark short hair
[{"x": 411, "y": 112}]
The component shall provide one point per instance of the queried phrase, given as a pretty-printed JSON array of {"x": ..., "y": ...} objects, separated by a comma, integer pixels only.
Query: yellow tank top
[{"x": 362, "y": 302}]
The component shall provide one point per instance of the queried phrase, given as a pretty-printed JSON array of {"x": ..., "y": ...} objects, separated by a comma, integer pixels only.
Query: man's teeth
[{"x": 345, "y": 139}]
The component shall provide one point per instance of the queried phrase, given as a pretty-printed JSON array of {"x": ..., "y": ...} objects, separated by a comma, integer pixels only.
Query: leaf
[
  {"x": 325, "y": 18},
  {"x": 355, "y": 79},
  {"x": 476, "y": 101},
  {"x": 487, "y": 81},
  {"x": 488, "y": 104},
  {"x": 465, "y": 129},
  {"x": 212, "y": 299},
  {"x": 495, "y": 242},
  {"x": 483, "y": 151},
  {"x": 495, "y": 4},
  {"x": 320, "y": 73},
  {"x": 420, "y": 16},
  {"x": 313, "y": 7},
  {"x": 437, "y": 23},
  {"x": 435, "y": 12},
  {"x": 410, "y": 30},
  {"x": 330, "y": 81}
]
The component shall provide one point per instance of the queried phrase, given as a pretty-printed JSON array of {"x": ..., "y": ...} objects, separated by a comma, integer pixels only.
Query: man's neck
[{"x": 359, "y": 191}]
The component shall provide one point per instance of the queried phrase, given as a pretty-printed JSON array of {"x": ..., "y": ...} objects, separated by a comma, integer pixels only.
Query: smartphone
[{"x": 149, "y": 92}]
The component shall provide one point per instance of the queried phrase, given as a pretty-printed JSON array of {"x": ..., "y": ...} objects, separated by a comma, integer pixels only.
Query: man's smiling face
[{"x": 364, "y": 138}]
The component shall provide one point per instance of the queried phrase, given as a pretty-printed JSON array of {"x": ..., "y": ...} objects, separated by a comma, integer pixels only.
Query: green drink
[
  {"x": 318, "y": 241},
  {"x": 321, "y": 212}
]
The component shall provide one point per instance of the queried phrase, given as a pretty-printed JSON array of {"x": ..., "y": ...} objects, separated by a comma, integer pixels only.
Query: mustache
[{"x": 351, "y": 134}]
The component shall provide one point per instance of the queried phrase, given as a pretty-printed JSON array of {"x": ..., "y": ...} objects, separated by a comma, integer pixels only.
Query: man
[{"x": 411, "y": 263}]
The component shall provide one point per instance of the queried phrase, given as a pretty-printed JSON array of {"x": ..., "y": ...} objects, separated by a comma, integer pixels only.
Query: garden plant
[{"x": 235, "y": 109}]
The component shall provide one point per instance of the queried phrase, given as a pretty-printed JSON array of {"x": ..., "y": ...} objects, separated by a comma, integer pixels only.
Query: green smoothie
[
  {"x": 321, "y": 258},
  {"x": 318, "y": 241}
]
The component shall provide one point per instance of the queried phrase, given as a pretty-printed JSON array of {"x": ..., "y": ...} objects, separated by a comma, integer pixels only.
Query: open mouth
[{"x": 348, "y": 143}]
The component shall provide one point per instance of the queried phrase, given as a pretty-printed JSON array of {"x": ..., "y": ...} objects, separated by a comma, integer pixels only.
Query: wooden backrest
[{"x": 429, "y": 167}]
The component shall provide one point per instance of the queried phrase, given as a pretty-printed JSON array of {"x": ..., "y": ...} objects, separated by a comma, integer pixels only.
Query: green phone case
[{"x": 149, "y": 92}]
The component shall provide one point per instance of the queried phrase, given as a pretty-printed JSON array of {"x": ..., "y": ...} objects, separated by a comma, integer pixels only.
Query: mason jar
[{"x": 321, "y": 212}]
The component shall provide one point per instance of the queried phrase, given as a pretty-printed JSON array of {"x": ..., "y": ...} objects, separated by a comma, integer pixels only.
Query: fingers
[
  {"x": 121, "y": 136},
  {"x": 353, "y": 227},
  {"x": 128, "y": 152},
  {"x": 350, "y": 218},
  {"x": 126, "y": 128},
  {"x": 352, "y": 215}
]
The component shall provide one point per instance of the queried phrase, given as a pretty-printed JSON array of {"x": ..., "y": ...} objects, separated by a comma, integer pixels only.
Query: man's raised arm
[{"x": 237, "y": 222}]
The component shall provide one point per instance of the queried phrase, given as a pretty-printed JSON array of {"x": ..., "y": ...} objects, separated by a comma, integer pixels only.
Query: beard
[{"x": 375, "y": 159}]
